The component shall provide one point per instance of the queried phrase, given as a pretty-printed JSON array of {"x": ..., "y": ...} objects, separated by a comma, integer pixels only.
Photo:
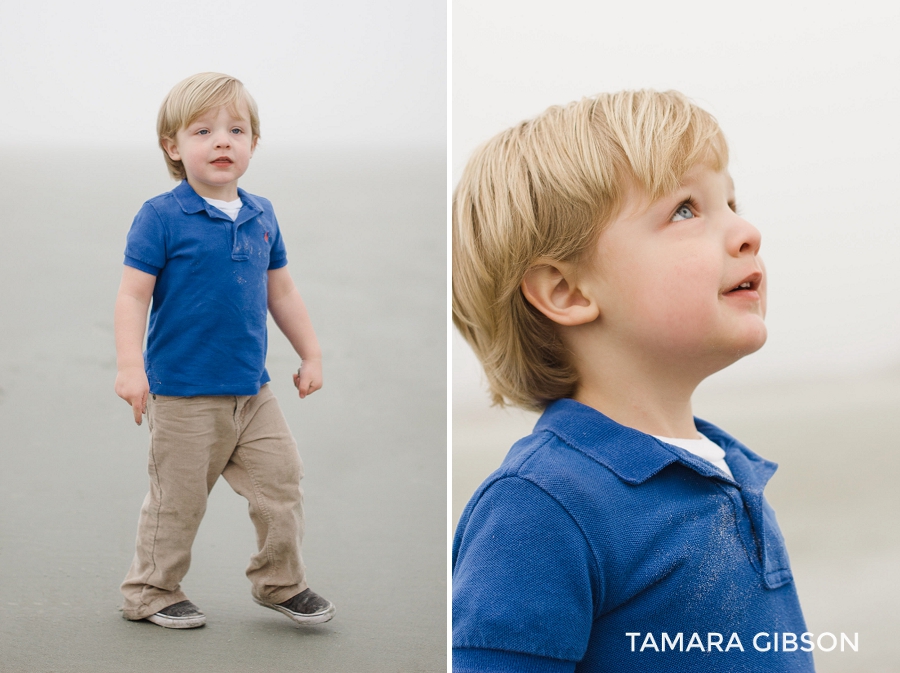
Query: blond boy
[
  {"x": 211, "y": 258},
  {"x": 601, "y": 272}
]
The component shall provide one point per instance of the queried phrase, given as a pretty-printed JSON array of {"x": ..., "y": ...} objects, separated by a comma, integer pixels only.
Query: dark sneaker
[
  {"x": 307, "y": 607},
  {"x": 183, "y": 615}
]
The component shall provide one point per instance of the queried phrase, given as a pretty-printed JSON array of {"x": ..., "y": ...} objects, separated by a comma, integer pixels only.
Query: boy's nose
[
  {"x": 223, "y": 140},
  {"x": 744, "y": 238}
]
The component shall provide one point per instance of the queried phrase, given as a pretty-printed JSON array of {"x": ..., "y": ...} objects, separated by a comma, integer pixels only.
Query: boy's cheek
[{"x": 676, "y": 321}]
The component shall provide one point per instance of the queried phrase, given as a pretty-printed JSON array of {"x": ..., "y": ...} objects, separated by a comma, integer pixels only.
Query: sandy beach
[
  {"x": 365, "y": 233},
  {"x": 835, "y": 441}
]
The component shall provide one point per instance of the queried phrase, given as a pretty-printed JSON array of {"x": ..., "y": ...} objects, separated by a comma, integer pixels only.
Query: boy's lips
[
  {"x": 747, "y": 287},
  {"x": 222, "y": 161}
]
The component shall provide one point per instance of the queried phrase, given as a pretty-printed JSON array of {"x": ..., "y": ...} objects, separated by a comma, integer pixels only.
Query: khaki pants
[{"x": 193, "y": 440}]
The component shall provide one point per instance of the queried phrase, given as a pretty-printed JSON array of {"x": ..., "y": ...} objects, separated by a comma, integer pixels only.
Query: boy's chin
[
  {"x": 758, "y": 337},
  {"x": 750, "y": 342},
  {"x": 722, "y": 354}
]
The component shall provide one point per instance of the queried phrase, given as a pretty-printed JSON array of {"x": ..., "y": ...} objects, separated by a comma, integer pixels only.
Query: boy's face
[
  {"x": 215, "y": 149},
  {"x": 682, "y": 279}
]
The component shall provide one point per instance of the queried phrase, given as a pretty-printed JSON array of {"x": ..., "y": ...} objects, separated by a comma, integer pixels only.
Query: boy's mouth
[
  {"x": 222, "y": 161},
  {"x": 749, "y": 284}
]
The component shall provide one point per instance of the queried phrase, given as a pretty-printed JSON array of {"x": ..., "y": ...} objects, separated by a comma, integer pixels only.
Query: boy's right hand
[{"x": 133, "y": 387}]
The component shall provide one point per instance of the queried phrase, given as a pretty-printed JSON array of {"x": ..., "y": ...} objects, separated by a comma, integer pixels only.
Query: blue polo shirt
[
  {"x": 592, "y": 535},
  {"x": 207, "y": 329}
]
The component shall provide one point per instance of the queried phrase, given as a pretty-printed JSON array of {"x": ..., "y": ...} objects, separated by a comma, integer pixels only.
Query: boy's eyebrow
[
  {"x": 237, "y": 115},
  {"x": 668, "y": 201}
]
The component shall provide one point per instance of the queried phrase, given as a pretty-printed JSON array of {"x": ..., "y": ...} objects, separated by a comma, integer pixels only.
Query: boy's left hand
[{"x": 308, "y": 378}]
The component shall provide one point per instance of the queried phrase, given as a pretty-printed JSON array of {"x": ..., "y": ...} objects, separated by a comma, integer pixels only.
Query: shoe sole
[
  {"x": 306, "y": 620},
  {"x": 177, "y": 622}
]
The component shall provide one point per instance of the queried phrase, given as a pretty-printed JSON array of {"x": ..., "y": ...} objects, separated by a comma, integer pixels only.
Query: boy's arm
[
  {"x": 525, "y": 583},
  {"x": 289, "y": 312},
  {"x": 132, "y": 303}
]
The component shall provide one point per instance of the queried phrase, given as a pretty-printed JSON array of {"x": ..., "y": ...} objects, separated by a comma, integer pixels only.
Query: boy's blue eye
[
  {"x": 236, "y": 131},
  {"x": 684, "y": 212},
  {"x": 203, "y": 132}
]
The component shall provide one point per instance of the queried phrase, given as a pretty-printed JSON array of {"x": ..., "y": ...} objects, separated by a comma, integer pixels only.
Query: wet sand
[
  {"x": 366, "y": 242},
  {"x": 835, "y": 492}
]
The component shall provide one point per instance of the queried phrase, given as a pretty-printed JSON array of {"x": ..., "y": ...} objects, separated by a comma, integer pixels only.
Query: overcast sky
[
  {"x": 807, "y": 97},
  {"x": 361, "y": 72}
]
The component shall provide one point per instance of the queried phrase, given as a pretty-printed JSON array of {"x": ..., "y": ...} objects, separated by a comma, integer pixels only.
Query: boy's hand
[
  {"x": 308, "y": 378},
  {"x": 133, "y": 387}
]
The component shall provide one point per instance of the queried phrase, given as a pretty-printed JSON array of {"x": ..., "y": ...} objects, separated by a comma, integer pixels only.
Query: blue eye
[
  {"x": 236, "y": 131},
  {"x": 684, "y": 212},
  {"x": 203, "y": 132}
]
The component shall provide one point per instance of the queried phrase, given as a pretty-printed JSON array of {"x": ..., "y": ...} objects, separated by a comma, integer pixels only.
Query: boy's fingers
[
  {"x": 305, "y": 387},
  {"x": 139, "y": 407}
]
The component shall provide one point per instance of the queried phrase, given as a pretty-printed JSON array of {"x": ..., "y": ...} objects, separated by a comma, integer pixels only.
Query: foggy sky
[{"x": 353, "y": 73}]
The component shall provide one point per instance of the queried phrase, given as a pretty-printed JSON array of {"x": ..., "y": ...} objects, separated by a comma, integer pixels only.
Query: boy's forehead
[
  {"x": 702, "y": 171},
  {"x": 238, "y": 110},
  {"x": 637, "y": 201}
]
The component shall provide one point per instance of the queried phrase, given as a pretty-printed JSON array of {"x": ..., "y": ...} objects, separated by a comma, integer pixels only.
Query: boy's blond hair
[
  {"x": 193, "y": 97},
  {"x": 546, "y": 188}
]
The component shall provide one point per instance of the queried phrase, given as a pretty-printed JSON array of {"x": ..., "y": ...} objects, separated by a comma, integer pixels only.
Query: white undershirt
[
  {"x": 230, "y": 208},
  {"x": 703, "y": 448}
]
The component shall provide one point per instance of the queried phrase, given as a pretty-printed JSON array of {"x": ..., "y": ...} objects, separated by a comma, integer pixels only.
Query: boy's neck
[
  {"x": 640, "y": 395},
  {"x": 225, "y": 193}
]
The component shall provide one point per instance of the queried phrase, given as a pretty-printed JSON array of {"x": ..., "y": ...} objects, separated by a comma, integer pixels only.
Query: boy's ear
[
  {"x": 552, "y": 288},
  {"x": 171, "y": 148}
]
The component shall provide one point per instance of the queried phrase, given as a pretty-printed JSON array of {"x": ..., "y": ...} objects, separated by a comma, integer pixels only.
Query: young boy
[
  {"x": 212, "y": 259},
  {"x": 600, "y": 273}
]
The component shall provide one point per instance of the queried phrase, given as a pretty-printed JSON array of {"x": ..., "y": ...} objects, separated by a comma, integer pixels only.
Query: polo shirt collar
[
  {"x": 634, "y": 456},
  {"x": 192, "y": 203}
]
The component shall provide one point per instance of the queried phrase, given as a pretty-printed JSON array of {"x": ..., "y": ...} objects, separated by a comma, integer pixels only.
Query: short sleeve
[
  {"x": 522, "y": 582},
  {"x": 277, "y": 251},
  {"x": 145, "y": 246}
]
